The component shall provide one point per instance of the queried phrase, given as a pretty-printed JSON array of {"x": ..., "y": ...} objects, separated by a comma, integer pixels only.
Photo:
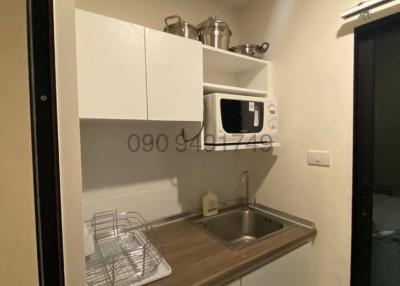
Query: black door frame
[
  {"x": 363, "y": 148},
  {"x": 45, "y": 142}
]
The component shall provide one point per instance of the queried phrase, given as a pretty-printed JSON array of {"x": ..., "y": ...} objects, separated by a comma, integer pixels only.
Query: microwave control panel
[{"x": 272, "y": 114}]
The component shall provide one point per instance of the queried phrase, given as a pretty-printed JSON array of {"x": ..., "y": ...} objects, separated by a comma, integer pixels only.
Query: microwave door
[{"x": 242, "y": 117}]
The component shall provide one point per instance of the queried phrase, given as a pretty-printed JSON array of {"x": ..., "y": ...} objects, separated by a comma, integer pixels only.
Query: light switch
[{"x": 319, "y": 158}]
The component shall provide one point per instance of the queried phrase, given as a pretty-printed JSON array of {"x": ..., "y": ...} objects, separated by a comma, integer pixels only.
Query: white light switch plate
[{"x": 319, "y": 158}]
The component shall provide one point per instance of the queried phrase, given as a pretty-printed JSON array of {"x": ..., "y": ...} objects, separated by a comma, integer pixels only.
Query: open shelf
[
  {"x": 226, "y": 61},
  {"x": 211, "y": 88}
]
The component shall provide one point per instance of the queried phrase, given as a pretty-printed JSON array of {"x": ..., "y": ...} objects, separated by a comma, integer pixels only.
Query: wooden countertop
[{"x": 197, "y": 258}]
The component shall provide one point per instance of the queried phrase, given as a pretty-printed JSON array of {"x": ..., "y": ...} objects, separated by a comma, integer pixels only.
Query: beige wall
[
  {"x": 151, "y": 13},
  {"x": 18, "y": 263},
  {"x": 157, "y": 184}
]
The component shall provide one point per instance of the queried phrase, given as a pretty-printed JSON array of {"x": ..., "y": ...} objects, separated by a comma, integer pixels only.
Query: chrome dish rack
[{"x": 124, "y": 254}]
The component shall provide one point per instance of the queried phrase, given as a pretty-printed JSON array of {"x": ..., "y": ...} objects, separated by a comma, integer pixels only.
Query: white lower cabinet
[
  {"x": 234, "y": 283},
  {"x": 292, "y": 269}
]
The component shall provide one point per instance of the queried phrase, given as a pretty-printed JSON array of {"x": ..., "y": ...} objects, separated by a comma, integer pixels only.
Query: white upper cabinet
[
  {"x": 174, "y": 77},
  {"x": 111, "y": 68},
  {"x": 126, "y": 71}
]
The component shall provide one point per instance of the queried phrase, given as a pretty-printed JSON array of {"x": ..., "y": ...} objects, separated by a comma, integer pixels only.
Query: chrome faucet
[{"x": 245, "y": 177}]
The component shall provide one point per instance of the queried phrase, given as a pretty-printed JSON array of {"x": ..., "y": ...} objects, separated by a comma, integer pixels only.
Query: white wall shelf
[
  {"x": 226, "y": 61},
  {"x": 211, "y": 88},
  {"x": 245, "y": 147},
  {"x": 244, "y": 74},
  {"x": 232, "y": 73},
  {"x": 258, "y": 147}
]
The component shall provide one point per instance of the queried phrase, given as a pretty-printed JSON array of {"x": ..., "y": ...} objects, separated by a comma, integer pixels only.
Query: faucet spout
[{"x": 245, "y": 178}]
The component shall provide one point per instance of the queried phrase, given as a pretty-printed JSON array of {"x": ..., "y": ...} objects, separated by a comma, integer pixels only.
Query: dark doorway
[{"x": 376, "y": 183}]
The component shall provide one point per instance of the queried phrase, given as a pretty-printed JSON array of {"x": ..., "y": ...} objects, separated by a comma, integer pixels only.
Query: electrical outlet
[{"x": 319, "y": 158}]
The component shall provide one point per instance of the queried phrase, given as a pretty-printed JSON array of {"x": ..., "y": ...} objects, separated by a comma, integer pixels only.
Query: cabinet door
[
  {"x": 111, "y": 68},
  {"x": 174, "y": 77},
  {"x": 294, "y": 268},
  {"x": 234, "y": 283}
]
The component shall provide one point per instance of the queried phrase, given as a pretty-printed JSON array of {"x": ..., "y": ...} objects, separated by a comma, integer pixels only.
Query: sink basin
[{"x": 242, "y": 227}]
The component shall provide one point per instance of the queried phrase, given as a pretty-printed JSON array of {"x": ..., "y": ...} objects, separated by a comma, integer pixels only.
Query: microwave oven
[{"x": 238, "y": 119}]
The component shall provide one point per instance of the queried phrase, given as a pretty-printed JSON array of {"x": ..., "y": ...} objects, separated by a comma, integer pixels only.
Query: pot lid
[
  {"x": 213, "y": 22},
  {"x": 181, "y": 24}
]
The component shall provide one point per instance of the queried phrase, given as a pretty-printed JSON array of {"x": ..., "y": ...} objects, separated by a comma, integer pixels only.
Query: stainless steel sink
[{"x": 244, "y": 226}]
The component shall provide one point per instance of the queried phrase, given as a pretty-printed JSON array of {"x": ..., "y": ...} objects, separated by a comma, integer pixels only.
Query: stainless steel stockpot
[
  {"x": 180, "y": 28},
  {"x": 215, "y": 33}
]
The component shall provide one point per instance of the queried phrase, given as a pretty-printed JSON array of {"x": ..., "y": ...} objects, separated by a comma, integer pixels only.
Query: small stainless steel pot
[
  {"x": 256, "y": 51},
  {"x": 215, "y": 33},
  {"x": 180, "y": 28}
]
